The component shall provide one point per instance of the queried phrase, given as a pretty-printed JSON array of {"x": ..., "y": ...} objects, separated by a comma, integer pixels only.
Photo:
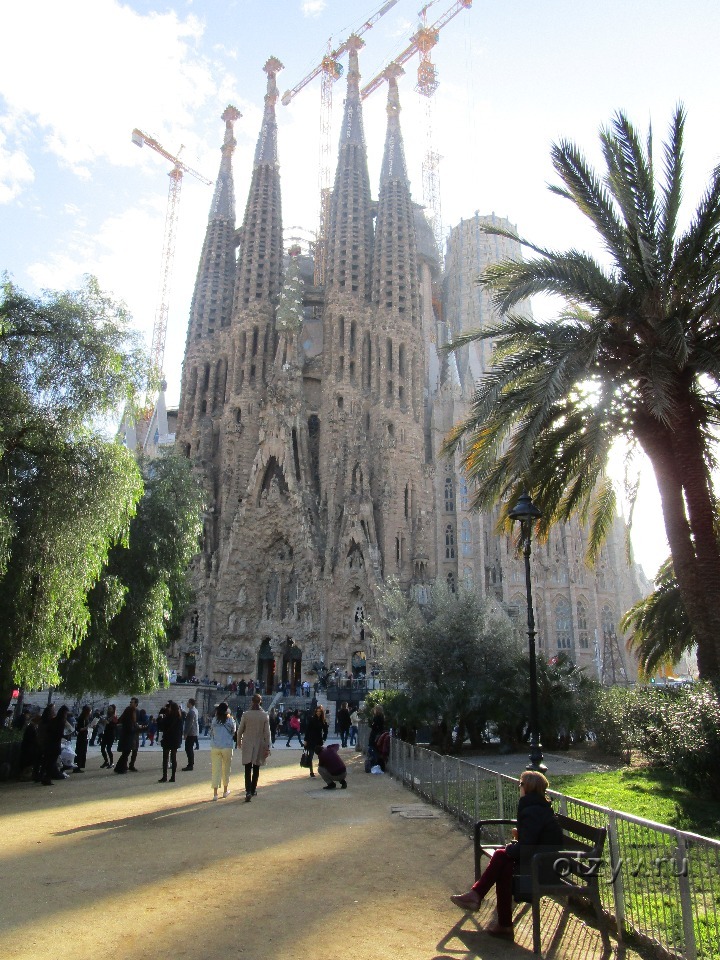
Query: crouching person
[{"x": 331, "y": 767}]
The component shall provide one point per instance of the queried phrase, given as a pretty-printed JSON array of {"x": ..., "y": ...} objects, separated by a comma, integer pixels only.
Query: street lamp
[{"x": 527, "y": 513}]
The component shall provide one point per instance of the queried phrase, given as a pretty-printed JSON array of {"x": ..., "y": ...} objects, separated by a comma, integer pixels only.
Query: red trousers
[{"x": 498, "y": 873}]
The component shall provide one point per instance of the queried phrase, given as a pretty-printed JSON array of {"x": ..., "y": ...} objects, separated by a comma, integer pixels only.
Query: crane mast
[
  {"x": 423, "y": 43},
  {"x": 159, "y": 332},
  {"x": 331, "y": 69}
]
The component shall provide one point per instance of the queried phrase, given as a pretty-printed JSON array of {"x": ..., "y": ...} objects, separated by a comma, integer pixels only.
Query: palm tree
[
  {"x": 660, "y": 633},
  {"x": 635, "y": 355}
]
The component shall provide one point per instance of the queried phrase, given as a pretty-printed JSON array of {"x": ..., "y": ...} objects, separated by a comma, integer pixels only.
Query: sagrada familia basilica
[{"x": 316, "y": 415}]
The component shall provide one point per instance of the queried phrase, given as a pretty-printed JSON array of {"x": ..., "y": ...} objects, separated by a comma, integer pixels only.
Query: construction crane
[
  {"x": 423, "y": 42},
  {"x": 157, "y": 348},
  {"x": 331, "y": 69}
]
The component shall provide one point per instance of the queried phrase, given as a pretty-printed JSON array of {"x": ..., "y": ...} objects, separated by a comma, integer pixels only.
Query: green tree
[
  {"x": 636, "y": 355},
  {"x": 660, "y": 632},
  {"x": 449, "y": 653},
  {"x": 139, "y": 603},
  {"x": 66, "y": 493}
]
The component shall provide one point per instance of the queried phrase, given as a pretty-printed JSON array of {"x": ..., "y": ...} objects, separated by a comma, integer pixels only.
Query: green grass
[{"x": 648, "y": 793}]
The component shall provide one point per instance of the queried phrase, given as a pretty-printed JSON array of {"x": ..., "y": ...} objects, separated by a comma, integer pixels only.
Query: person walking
[
  {"x": 171, "y": 726},
  {"x": 343, "y": 724},
  {"x": 354, "y": 723},
  {"x": 254, "y": 736},
  {"x": 82, "y": 730},
  {"x": 274, "y": 720},
  {"x": 127, "y": 731},
  {"x": 294, "y": 728},
  {"x": 315, "y": 733},
  {"x": 108, "y": 737},
  {"x": 140, "y": 724},
  {"x": 192, "y": 733},
  {"x": 222, "y": 733}
]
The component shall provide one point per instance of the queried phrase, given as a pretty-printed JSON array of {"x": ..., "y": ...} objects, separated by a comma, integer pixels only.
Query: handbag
[{"x": 305, "y": 759}]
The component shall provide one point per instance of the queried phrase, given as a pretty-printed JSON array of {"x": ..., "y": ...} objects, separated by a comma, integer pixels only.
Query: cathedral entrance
[
  {"x": 266, "y": 667},
  {"x": 189, "y": 667},
  {"x": 292, "y": 665}
]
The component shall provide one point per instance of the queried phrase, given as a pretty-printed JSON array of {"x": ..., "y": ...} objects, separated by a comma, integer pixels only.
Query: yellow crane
[
  {"x": 157, "y": 347},
  {"x": 423, "y": 42},
  {"x": 331, "y": 69}
]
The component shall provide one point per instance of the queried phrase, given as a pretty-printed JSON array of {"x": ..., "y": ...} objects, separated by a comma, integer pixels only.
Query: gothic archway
[
  {"x": 266, "y": 667},
  {"x": 291, "y": 665}
]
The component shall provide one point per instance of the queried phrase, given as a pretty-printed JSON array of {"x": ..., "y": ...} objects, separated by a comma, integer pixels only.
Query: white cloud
[
  {"x": 15, "y": 172},
  {"x": 313, "y": 8},
  {"x": 97, "y": 69}
]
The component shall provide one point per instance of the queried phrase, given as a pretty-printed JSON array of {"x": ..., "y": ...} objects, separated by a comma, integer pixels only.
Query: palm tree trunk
[{"x": 683, "y": 482}]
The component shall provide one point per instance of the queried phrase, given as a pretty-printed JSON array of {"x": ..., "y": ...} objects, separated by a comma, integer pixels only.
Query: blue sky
[{"x": 77, "y": 196}]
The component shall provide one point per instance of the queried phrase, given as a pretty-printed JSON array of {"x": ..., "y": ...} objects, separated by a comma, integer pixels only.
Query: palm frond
[
  {"x": 672, "y": 190},
  {"x": 603, "y": 513}
]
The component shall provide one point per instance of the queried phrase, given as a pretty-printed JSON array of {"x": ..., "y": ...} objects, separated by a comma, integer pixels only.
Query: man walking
[
  {"x": 136, "y": 734},
  {"x": 191, "y": 731}
]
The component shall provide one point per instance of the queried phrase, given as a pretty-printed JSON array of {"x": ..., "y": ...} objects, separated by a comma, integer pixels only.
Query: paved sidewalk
[{"x": 125, "y": 868}]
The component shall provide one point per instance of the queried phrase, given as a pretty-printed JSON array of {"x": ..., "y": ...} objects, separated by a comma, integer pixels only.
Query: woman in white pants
[{"x": 222, "y": 732}]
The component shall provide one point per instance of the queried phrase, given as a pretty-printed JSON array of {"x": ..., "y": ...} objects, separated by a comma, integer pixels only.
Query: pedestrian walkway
[{"x": 102, "y": 865}]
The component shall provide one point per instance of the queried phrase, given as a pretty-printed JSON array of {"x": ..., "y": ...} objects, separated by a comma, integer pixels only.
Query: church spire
[
  {"x": 212, "y": 298},
  {"x": 395, "y": 277},
  {"x": 350, "y": 234},
  {"x": 260, "y": 262},
  {"x": 223, "y": 205}
]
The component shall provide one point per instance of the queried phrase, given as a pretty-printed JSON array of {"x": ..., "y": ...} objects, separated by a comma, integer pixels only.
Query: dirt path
[{"x": 119, "y": 867}]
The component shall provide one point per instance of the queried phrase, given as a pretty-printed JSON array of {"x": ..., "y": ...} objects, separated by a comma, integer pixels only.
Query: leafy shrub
[
  {"x": 609, "y": 720},
  {"x": 693, "y": 737}
]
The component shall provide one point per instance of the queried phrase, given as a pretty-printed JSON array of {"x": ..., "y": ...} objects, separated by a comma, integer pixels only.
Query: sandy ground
[{"x": 105, "y": 866}]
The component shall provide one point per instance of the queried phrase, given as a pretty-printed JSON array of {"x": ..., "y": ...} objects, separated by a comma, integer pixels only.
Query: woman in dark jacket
[
  {"x": 82, "y": 729},
  {"x": 377, "y": 725},
  {"x": 537, "y": 826},
  {"x": 54, "y": 728},
  {"x": 127, "y": 727},
  {"x": 170, "y": 724},
  {"x": 315, "y": 733}
]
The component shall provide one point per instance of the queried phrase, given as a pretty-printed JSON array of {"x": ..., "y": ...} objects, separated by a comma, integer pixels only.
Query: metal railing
[{"x": 661, "y": 885}]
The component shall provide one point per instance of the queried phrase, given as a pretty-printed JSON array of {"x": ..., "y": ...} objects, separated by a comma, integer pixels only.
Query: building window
[
  {"x": 466, "y": 539},
  {"x": 563, "y": 624},
  {"x": 449, "y": 543},
  {"x": 463, "y": 494},
  {"x": 582, "y": 631},
  {"x": 449, "y": 496},
  {"x": 451, "y": 582}
]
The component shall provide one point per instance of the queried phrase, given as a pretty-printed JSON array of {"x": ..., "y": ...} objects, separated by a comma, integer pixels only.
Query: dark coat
[
  {"x": 537, "y": 826},
  {"x": 171, "y": 728},
  {"x": 343, "y": 719},
  {"x": 316, "y": 731}
]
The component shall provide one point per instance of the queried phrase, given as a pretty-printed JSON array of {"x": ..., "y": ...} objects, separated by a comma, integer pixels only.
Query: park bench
[{"x": 571, "y": 872}]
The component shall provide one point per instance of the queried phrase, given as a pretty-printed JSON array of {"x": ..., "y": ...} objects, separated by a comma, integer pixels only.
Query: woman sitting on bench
[{"x": 536, "y": 827}]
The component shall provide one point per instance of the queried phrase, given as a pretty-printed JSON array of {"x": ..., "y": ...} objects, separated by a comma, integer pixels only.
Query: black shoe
[
  {"x": 162, "y": 780},
  {"x": 330, "y": 786},
  {"x": 187, "y": 768},
  {"x": 105, "y": 765},
  {"x": 46, "y": 783},
  {"x": 133, "y": 770},
  {"x": 248, "y": 797},
  {"x": 343, "y": 784},
  {"x": 172, "y": 779},
  {"x": 312, "y": 774}
]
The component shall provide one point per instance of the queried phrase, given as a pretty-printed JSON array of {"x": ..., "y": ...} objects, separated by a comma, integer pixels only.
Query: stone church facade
[{"x": 316, "y": 415}]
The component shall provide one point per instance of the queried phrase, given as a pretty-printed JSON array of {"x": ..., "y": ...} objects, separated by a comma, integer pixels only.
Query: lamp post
[{"x": 526, "y": 513}]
